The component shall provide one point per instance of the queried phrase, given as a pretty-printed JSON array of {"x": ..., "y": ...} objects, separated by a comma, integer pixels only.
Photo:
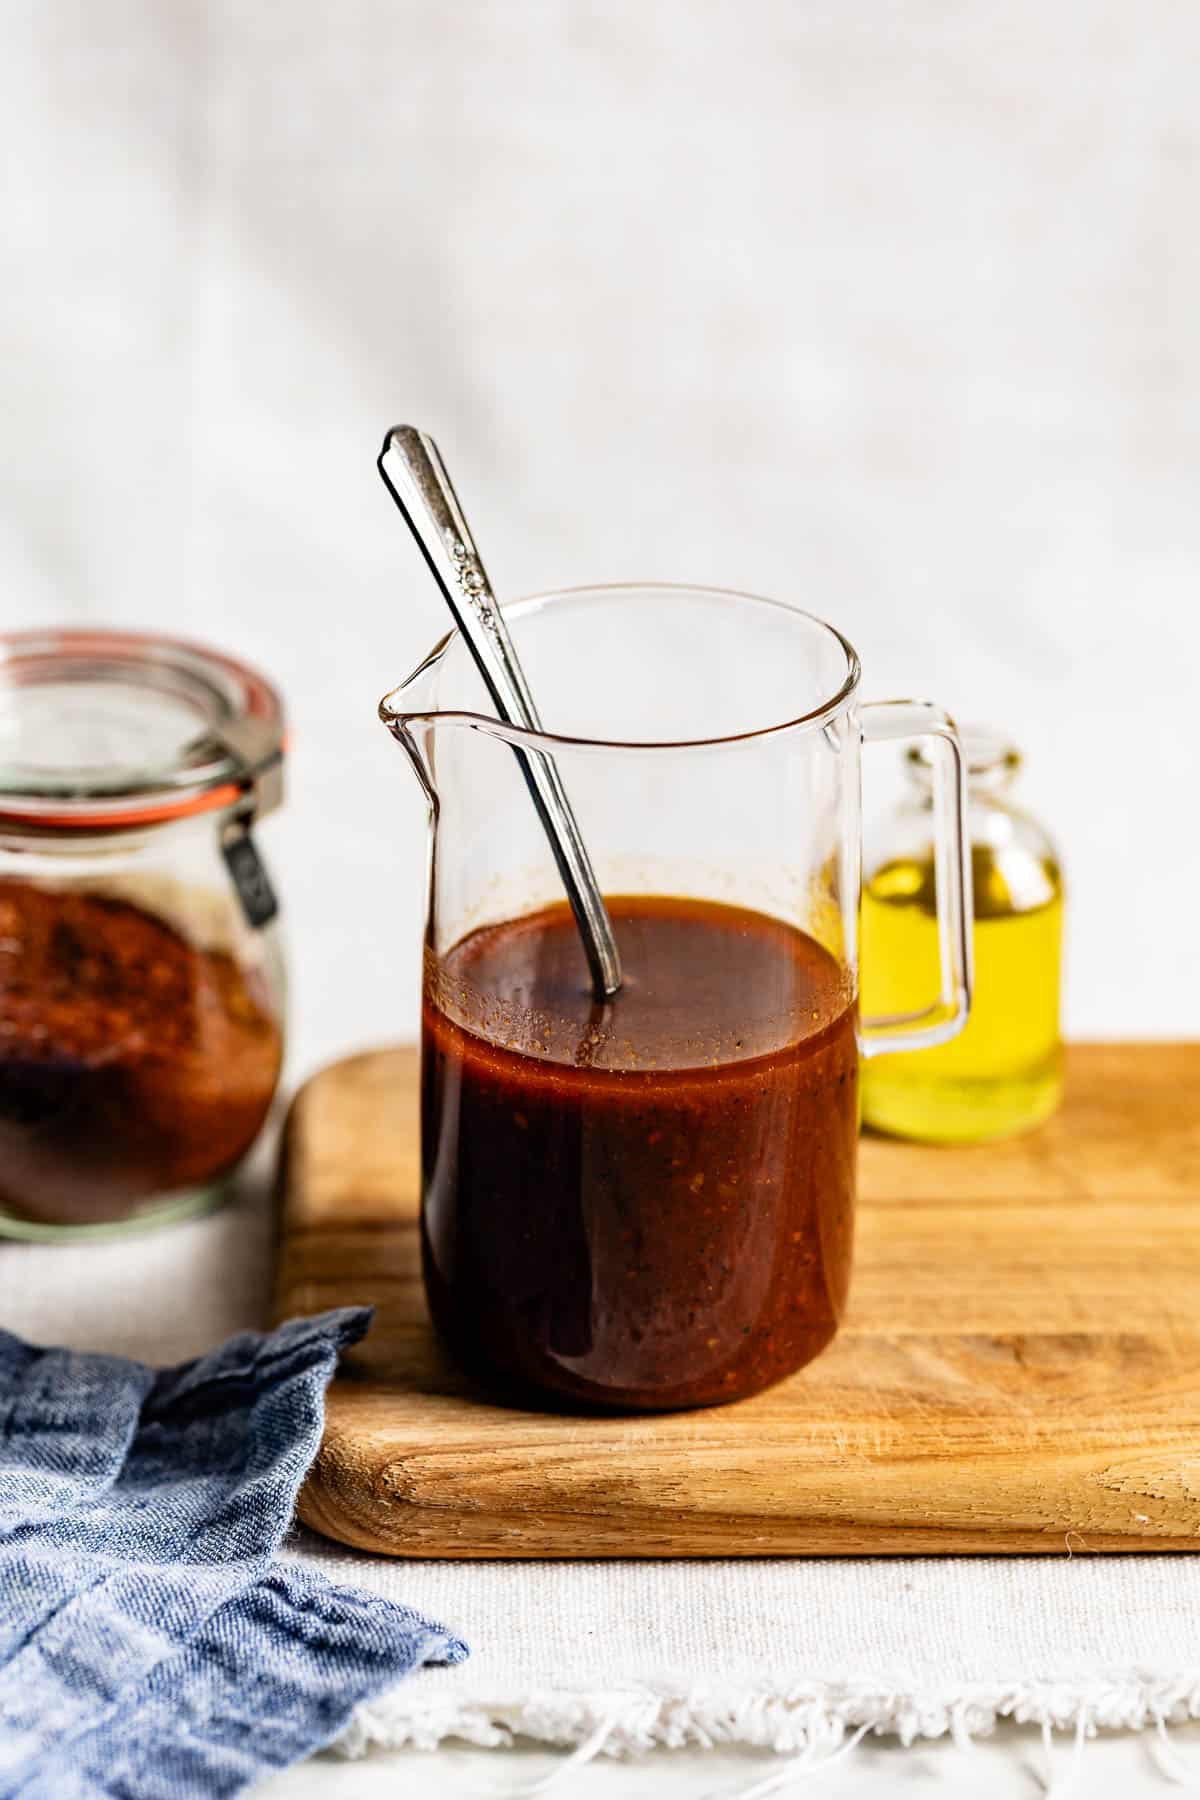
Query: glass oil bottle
[{"x": 1003, "y": 1073}]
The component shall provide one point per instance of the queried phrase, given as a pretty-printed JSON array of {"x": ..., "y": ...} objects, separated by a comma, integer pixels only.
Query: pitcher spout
[{"x": 410, "y": 714}]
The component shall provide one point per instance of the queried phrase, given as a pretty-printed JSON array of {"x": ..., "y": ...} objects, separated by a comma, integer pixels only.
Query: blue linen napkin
[{"x": 148, "y": 1648}]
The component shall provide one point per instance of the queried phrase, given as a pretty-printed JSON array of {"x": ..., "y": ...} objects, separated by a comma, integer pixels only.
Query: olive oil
[{"x": 1003, "y": 1073}]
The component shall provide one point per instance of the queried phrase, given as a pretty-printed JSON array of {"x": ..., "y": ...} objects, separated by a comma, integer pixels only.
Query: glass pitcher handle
[{"x": 884, "y": 722}]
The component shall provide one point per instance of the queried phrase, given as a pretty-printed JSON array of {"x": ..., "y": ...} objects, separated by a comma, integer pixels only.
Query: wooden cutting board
[{"x": 1019, "y": 1371}]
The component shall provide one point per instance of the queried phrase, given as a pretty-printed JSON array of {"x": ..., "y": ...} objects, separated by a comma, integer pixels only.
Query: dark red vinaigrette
[{"x": 649, "y": 1205}]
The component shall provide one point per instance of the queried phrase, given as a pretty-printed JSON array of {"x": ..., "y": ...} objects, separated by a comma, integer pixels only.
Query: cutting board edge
[{"x": 516, "y": 1541}]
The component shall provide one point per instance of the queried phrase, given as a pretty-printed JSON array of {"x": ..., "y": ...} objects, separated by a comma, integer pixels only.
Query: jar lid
[{"x": 110, "y": 730}]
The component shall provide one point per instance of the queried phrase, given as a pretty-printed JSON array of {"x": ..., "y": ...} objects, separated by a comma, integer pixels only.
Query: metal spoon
[{"x": 416, "y": 478}]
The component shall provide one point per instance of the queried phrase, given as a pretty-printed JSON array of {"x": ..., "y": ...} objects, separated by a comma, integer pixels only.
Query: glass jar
[
  {"x": 1003, "y": 1074},
  {"x": 141, "y": 980}
]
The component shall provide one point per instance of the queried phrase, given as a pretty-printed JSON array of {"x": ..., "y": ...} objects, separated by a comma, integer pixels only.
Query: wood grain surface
[{"x": 1019, "y": 1370}]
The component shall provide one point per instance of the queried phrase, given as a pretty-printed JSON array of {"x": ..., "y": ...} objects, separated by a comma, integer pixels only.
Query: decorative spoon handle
[{"x": 416, "y": 478}]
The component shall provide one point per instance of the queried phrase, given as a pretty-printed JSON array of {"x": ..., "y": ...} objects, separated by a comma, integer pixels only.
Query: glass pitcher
[{"x": 648, "y": 1202}]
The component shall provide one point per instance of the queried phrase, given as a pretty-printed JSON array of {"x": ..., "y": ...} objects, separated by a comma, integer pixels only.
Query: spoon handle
[{"x": 416, "y": 478}]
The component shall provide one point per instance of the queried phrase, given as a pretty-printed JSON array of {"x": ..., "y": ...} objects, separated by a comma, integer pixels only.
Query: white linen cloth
[{"x": 622, "y": 1656}]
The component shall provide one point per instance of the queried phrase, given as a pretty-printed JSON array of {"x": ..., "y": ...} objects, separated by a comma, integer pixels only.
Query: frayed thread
[
  {"x": 588, "y": 1751},
  {"x": 801, "y": 1721},
  {"x": 801, "y": 1768},
  {"x": 1170, "y": 1764},
  {"x": 1064, "y": 1785}
]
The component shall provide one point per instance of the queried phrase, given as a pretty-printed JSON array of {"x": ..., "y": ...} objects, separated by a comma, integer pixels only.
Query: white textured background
[{"x": 890, "y": 307}]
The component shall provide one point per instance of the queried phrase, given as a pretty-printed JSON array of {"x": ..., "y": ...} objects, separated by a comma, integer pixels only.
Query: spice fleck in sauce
[
  {"x": 649, "y": 1205},
  {"x": 132, "y": 1064}
]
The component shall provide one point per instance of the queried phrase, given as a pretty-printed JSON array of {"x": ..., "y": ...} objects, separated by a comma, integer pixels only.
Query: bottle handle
[{"x": 885, "y": 721}]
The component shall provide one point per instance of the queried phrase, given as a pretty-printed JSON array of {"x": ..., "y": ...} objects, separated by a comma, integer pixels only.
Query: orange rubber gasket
[
  {"x": 212, "y": 801},
  {"x": 187, "y": 807}
]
